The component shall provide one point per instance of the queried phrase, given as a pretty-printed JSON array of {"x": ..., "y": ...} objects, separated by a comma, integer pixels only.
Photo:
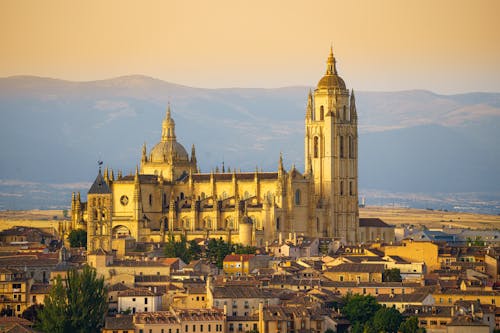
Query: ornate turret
[
  {"x": 331, "y": 80},
  {"x": 352, "y": 107},
  {"x": 193, "y": 154},
  {"x": 309, "y": 109}
]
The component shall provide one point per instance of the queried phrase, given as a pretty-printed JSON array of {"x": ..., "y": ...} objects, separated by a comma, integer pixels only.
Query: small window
[
  {"x": 341, "y": 188},
  {"x": 316, "y": 147},
  {"x": 321, "y": 112},
  {"x": 150, "y": 199},
  {"x": 297, "y": 197},
  {"x": 341, "y": 146}
]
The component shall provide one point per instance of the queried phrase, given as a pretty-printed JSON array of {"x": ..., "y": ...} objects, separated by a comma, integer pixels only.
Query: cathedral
[{"x": 168, "y": 195}]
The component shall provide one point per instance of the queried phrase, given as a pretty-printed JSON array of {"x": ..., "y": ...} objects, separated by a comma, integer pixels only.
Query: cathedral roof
[
  {"x": 331, "y": 79},
  {"x": 168, "y": 147},
  {"x": 164, "y": 149},
  {"x": 99, "y": 186}
]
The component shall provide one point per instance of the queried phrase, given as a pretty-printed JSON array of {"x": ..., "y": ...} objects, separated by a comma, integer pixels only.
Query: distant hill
[{"x": 54, "y": 131}]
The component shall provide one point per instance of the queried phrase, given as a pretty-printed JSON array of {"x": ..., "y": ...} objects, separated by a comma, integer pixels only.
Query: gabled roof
[
  {"x": 358, "y": 268},
  {"x": 373, "y": 222},
  {"x": 99, "y": 186},
  {"x": 238, "y": 257}
]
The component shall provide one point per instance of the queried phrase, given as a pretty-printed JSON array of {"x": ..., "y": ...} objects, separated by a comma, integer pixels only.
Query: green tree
[
  {"x": 78, "y": 238},
  {"x": 217, "y": 250},
  {"x": 360, "y": 308},
  {"x": 392, "y": 275},
  {"x": 410, "y": 325},
  {"x": 32, "y": 312},
  {"x": 77, "y": 304},
  {"x": 65, "y": 213},
  {"x": 241, "y": 249},
  {"x": 387, "y": 320},
  {"x": 179, "y": 249},
  {"x": 195, "y": 250}
]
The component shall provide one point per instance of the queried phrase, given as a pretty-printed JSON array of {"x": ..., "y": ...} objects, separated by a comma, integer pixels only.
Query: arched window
[
  {"x": 164, "y": 202},
  {"x": 351, "y": 147},
  {"x": 341, "y": 188},
  {"x": 229, "y": 223},
  {"x": 321, "y": 112},
  {"x": 341, "y": 144},
  {"x": 202, "y": 195},
  {"x": 316, "y": 147},
  {"x": 345, "y": 114},
  {"x": 182, "y": 195},
  {"x": 150, "y": 199},
  {"x": 297, "y": 197},
  {"x": 351, "y": 189},
  {"x": 246, "y": 195},
  {"x": 278, "y": 223}
]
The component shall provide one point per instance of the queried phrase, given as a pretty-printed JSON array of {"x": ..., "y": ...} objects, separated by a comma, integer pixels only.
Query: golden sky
[{"x": 445, "y": 46}]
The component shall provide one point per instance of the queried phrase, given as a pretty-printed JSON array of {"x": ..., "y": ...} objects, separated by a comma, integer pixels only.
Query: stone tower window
[
  {"x": 341, "y": 188},
  {"x": 345, "y": 114},
  {"x": 341, "y": 144},
  {"x": 277, "y": 223},
  {"x": 351, "y": 147},
  {"x": 297, "y": 197},
  {"x": 321, "y": 112},
  {"x": 150, "y": 199},
  {"x": 316, "y": 147}
]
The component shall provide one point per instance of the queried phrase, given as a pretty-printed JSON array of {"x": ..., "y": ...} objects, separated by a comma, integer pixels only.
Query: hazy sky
[{"x": 445, "y": 46}]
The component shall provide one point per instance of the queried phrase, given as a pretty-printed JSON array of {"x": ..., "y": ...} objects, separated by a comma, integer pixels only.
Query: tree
[
  {"x": 179, "y": 249},
  {"x": 241, "y": 249},
  {"x": 78, "y": 238},
  {"x": 217, "y": 250},
  {"x": 410, "y": 325},
  {"x": 32, "y": 312},
  {"x": 387, "y": 320},
  {"x": 360, "y": 308},
  {"x": 77, "y": 304},
  {"x": 392, "y": 275}
]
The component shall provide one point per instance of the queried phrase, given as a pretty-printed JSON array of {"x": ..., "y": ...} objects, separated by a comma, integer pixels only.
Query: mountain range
[{"x": 52, "y": 133}]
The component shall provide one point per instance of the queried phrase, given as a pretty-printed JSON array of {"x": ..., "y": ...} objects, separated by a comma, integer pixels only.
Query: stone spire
[
  {"x": 144, "y": 153},
  {"x": 352, "y": 107},
  {"x": 193, "y": 154},
  {"x": 309, "y": 109},
  {"x": 331, "y": 64},
  {"x": 168, "y": 127}
]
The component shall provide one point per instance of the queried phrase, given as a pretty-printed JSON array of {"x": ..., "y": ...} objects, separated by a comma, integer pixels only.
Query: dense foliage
[
  {"x": 182, "y": 249},
  {"x": 410, "y": 325},
  {"x": 387, "y": 320},
  {"x": 77, "y": 304},
  {"x": 367, "y": 316},
  {"x": 392, "y": 275},
  {"x": 78, "y": 238},
  {"x": 217, "y": 250}
]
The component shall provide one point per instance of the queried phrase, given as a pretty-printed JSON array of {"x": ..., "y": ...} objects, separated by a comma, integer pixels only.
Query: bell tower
[{"x": 331, "y": 147}]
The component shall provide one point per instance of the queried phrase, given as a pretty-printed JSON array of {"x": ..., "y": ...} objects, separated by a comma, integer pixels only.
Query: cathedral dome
[
  {"x": 164, "y": 149},
  {"x": 331, "y": 80}
]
